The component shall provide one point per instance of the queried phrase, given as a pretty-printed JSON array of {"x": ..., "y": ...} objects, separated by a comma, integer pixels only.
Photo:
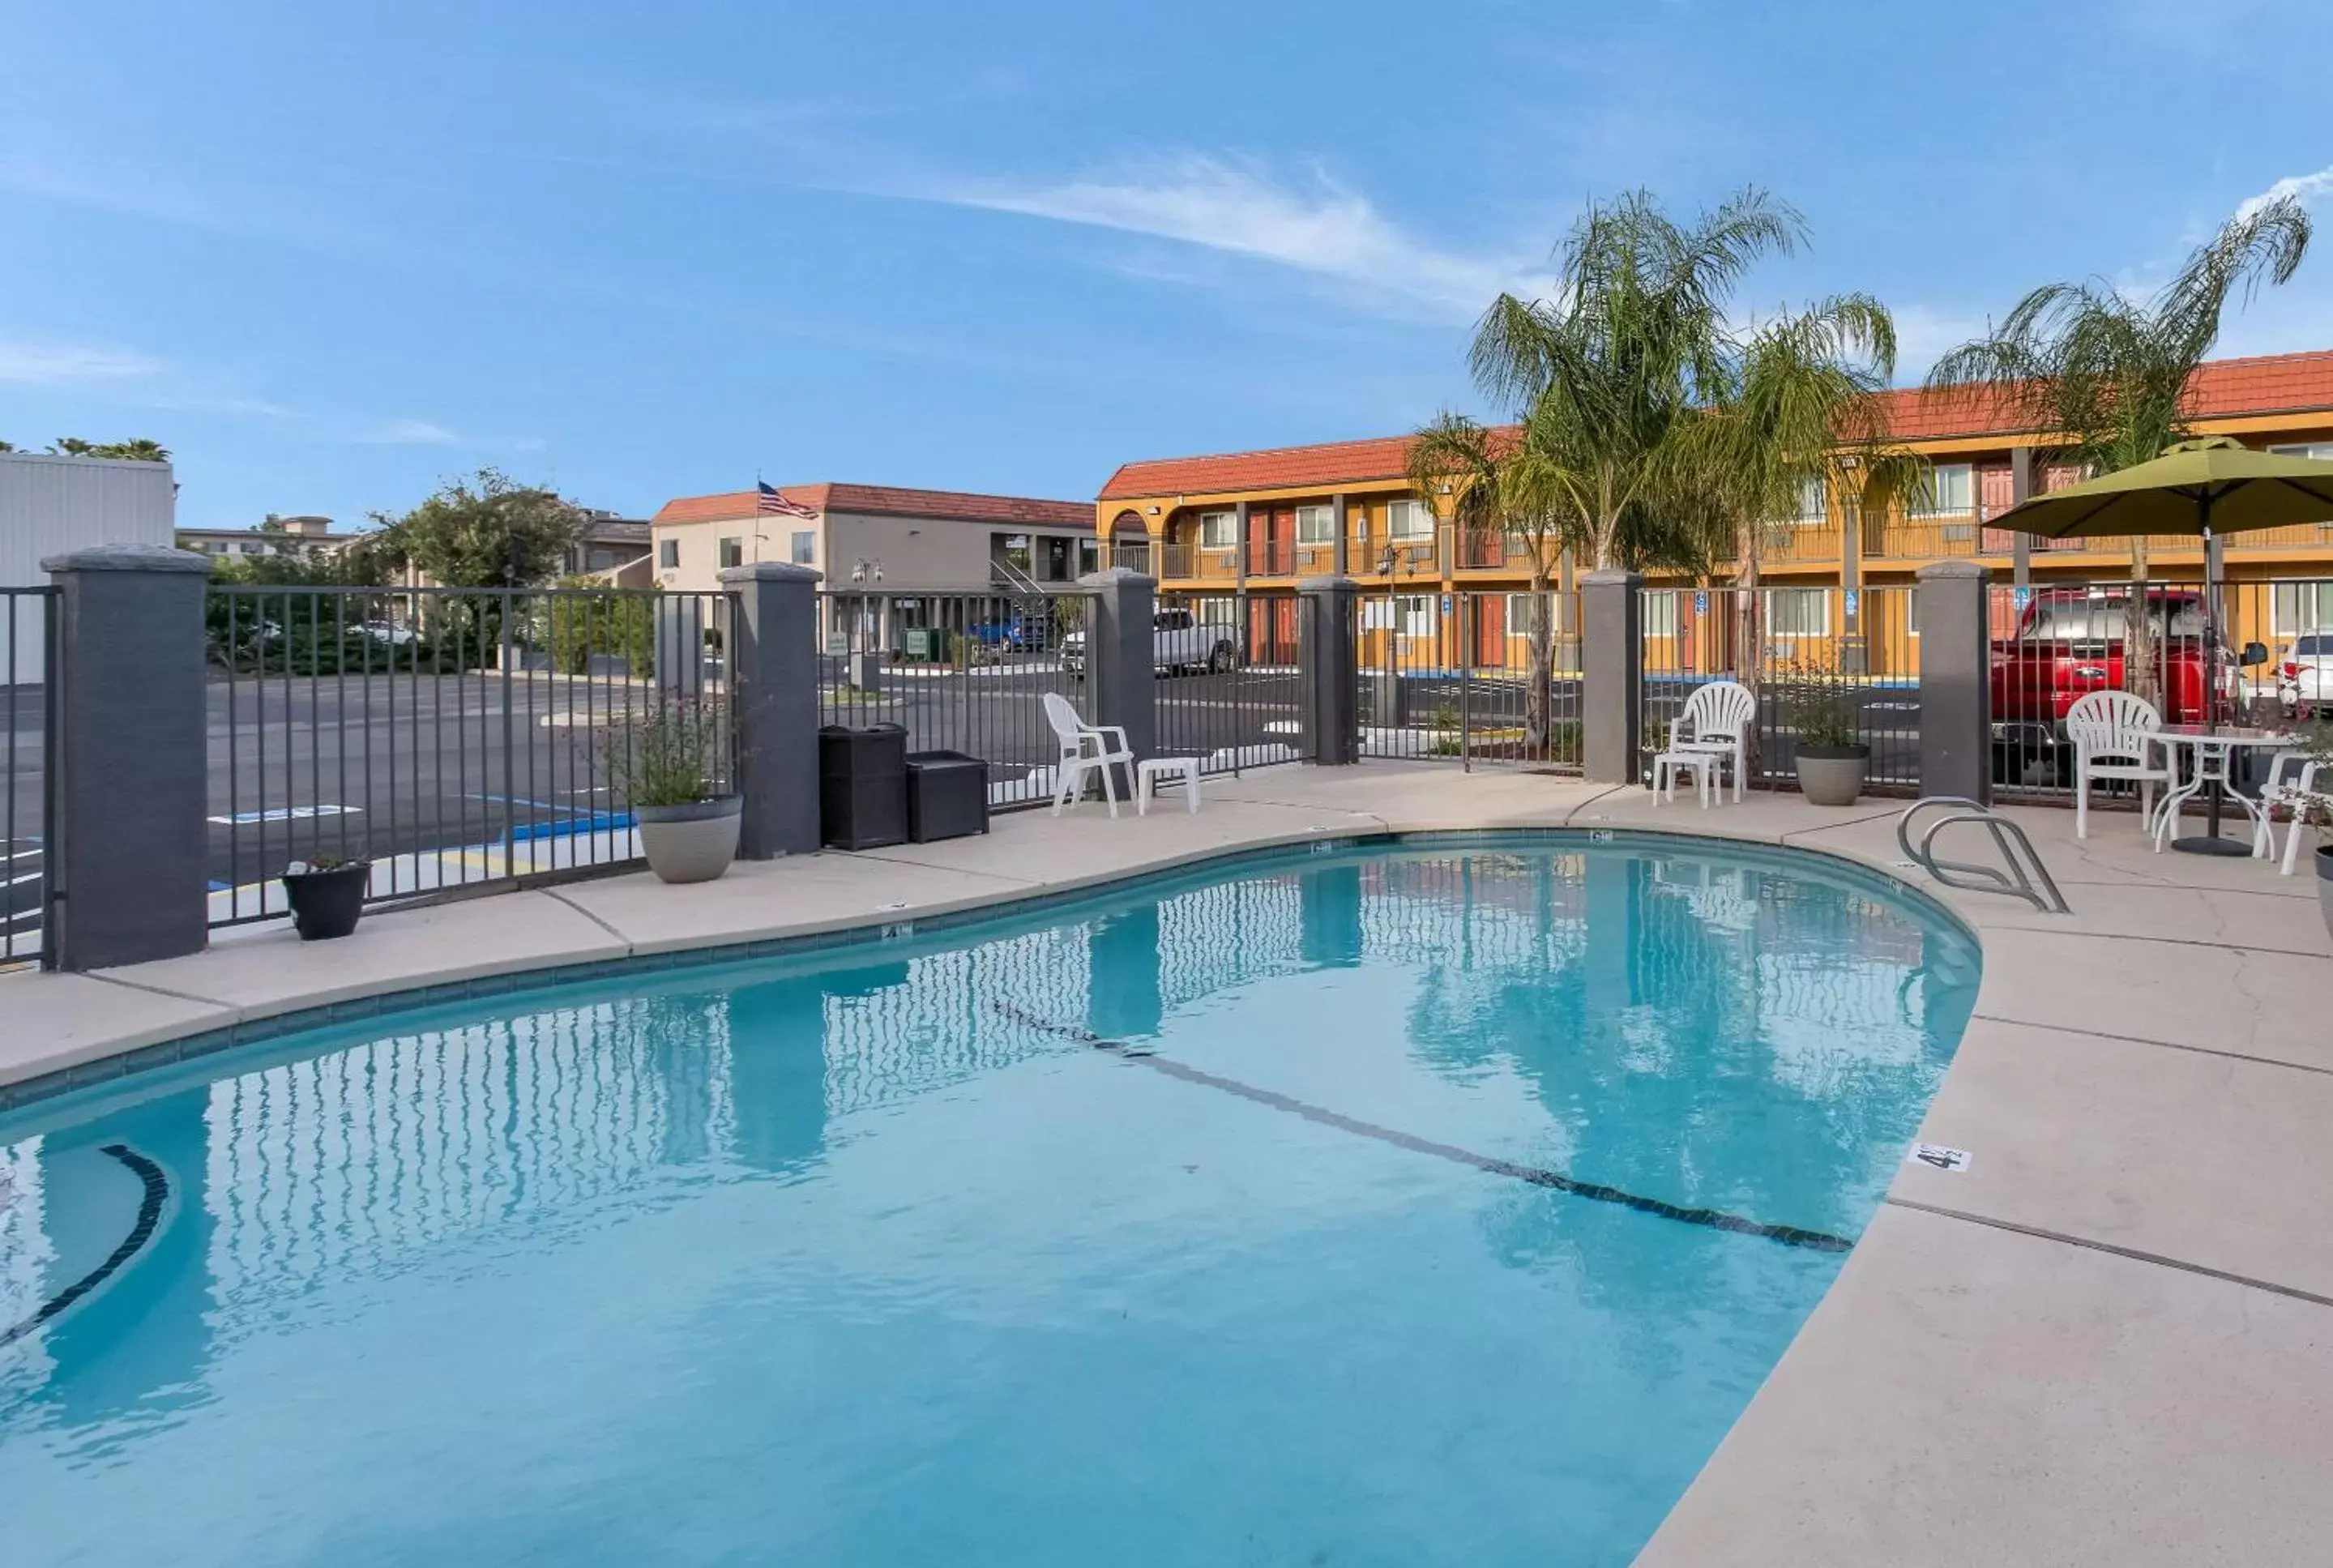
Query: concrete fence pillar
[
  {"x": 1612, "y": 671},
  {"x": 1957, "y": 680},
  {"x": 772, "y": 662},
  {"x": 1327, "y": 668},
  {"x": 128, "y": 850},
  {"x": 1121, "y": 658}
]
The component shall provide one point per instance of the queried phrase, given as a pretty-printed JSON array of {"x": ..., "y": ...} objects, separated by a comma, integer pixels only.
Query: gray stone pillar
[
  {"x": 1956, "y": 680},
  {"x": 1612, "y": 671},
  {"x": 1327, "y": 668},
  {"x": 1120, "y": 651},
  {"x": 128, "y": 850},
  {"x": 774, "y": 644}
]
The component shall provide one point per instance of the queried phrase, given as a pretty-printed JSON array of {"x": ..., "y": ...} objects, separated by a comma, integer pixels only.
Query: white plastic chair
[
  {"x": 1714, "y": 727},
  {"x": 1085, "y": 748},
  {"x": 2115, "y": 735},
  {"x": 2292, "y": 792}
]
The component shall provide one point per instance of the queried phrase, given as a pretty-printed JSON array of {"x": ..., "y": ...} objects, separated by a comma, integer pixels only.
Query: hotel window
[
  {"x": 2321, "y": 451},
  {"x": 1814, "y": 503},
  {"x": 1316, "y": 526},
  {"x": 1406, "y": 520},
  {"x": 2298, "y": 607},
  {"x": 1218, "y": 529},
  {"x": 1949, "y": 490},
  {"x": 1797, "y": 611},
  {"x": 1661, "y": 612},
  {"x": 805, "y": 547},
  {"x": 733, "y": 553},
  {"x": 667, "y": 553},
  {"x": 1416, "y": 615}
]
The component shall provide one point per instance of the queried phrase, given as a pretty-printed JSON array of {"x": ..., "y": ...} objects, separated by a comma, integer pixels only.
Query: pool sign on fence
[{"x": 1701, "y": 603}]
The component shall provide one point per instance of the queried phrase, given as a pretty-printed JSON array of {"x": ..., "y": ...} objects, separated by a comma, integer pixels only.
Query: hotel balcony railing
[
  {"x": 1796, "y": 544},
  {"x": 1133, "y": 558},
  {"x": 2301, "y": 536},
  {"x": 1921, "y": 538}
]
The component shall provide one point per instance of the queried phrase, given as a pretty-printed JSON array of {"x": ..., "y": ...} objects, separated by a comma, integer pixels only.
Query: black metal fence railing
[
  {"x": 961, "y": 671},
  {"x": 28, "y": 663},
  {"x": 451, "y": 736},
  {"x": 1480, "y": 678},
  {"x": 2054, "y": 642},
  {"x": 1826, "y": 664},
  {"x": 1226, "y": 688}
]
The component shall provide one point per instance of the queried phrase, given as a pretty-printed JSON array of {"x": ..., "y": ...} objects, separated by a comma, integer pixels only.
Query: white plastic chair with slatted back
[{"x": 2116, "y": 736}]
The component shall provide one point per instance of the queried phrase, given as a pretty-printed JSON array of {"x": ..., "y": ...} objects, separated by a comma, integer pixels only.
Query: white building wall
[{"x": 50, "y": 505}]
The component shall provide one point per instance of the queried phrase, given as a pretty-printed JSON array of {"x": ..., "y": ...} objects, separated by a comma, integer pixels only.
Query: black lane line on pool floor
[
  {"x": 1555, "y": 1181},
  {"x": 150, "y": 1219}
]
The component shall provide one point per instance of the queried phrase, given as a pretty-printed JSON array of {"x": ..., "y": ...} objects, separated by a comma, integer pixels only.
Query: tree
[
  {"x": 2109, "y": 379},
  {"x": 1796, "y": 413},
  {"x": 485, "y": 531},
  {"x": 7, "y": 446},
  {"x": 70, "y": 447},
  {"x": 1601, "y": 377},
  {"x": 138, "y": 451}
]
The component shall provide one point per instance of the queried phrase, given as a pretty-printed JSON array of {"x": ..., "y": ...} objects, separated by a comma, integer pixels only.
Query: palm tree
[
  {"x": 1601, "y": 377},
  {"x": 1494, "y": 485},
  {"x": 141, "y": 450},
  {"x": 2109, "y": 379},
  {"x": 1797, "y": 413}
]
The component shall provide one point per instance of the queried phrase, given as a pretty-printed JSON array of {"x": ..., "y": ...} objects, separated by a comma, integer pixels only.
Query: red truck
[{"x": 2069, "y": 643}]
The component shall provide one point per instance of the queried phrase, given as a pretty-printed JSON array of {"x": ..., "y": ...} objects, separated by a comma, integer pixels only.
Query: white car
[
  {"x": 1178, "y": 640},
  {"x": 2305, "y": 675}
]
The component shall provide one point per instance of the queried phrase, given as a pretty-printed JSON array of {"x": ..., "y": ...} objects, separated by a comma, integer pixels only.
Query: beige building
[{"x": 862, "y": 534}]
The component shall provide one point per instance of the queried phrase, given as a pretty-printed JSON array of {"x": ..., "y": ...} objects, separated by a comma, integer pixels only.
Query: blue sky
[{"x": 329, "y": 254}]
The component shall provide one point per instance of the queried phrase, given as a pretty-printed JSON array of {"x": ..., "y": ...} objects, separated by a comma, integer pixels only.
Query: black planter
[
  {"x": 947, "y": 795},
  {"x": 326, "y": 904},
  {"x": 862, "y": 786}
]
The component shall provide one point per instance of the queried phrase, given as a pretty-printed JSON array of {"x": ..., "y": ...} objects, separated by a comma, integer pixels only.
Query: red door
[{"x": 1490, "y": 630}]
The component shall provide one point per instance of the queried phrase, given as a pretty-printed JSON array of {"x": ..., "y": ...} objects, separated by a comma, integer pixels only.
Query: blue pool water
[{"x": 1434, "y": 1203}]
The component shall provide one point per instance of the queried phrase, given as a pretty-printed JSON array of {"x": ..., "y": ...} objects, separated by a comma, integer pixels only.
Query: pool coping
[{"x": 2180, "y": 994}]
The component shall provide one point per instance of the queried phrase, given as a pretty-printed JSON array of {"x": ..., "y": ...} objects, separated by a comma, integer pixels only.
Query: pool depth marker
[{"x": 1555, "y": 1181}]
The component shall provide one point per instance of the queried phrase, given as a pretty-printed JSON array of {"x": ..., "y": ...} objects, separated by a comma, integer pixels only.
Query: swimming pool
[{"x": 1437, "y": 1201}]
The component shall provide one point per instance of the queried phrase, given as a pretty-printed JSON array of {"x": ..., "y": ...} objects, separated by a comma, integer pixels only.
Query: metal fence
[
  {"x": 2054, "y": 642},
  {"x": 962, "y": 673},
  {"x": 451, "y": 736},
  {"x": 1226, "y": 687},
  {"x": 1480, "y": 678},
  {"x": 28, "y": 662},
  {"x": 1825, "y": 663}
]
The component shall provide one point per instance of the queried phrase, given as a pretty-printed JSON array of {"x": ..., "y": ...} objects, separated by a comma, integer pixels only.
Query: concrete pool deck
[{"x": 2110, "y": 1339}]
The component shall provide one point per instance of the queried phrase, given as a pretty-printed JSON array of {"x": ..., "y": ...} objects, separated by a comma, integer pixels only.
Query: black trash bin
[
  {"x": 947, "y": 795},
  {"x": 862, "y": 786}
]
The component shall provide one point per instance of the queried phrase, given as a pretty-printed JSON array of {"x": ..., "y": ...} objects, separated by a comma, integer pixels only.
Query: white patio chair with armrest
[
  {"x": 2115, "y": 735},
  {"x": 1085, "y": 748},
  {"x": 1713, "y": 728},
  {"x": 2290, "y": 789}
]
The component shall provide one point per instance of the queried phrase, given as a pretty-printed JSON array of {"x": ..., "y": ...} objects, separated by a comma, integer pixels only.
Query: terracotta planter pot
[
  {"x": 2324, "y": 884},
  {"x": 689, "y": 843},
  {"x": 1832, "y": 776},
  {"x": 326, "y": 904}
]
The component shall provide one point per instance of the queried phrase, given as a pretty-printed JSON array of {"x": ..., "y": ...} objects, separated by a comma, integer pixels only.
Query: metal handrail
[{"x": 2007, "y": 837}]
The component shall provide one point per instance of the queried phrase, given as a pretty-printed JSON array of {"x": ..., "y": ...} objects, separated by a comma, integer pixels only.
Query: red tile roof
[
  {"x": 2269, "y": 384},
  {"x": 885, "y": 500}
]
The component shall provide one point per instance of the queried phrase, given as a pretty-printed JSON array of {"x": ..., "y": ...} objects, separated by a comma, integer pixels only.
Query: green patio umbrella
[{"x": 2202, "y": 489}]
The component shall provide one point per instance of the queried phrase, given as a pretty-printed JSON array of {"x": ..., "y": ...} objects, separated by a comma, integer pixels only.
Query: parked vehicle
[
  {"x": 1180, "y": 640},
  {"x": 2304, "y": 676},
  {"x": 1026, "y": 632},
  {"x": 2069, "y": 643}
]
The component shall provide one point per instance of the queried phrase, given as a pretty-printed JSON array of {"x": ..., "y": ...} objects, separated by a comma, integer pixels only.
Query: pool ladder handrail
[{"x": 2017, "y": 853}]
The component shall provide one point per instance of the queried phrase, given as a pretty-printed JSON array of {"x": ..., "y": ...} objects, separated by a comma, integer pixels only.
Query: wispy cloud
[
  {"x": 410, "y": 433},
  {"x": 64, "y": 364},
  {"x": 2305, "y": 187},
  {"x": 1316, "y": 226}
]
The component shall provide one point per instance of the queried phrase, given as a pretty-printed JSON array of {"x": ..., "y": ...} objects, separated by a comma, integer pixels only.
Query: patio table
[{"x": 2212, "y": 753}]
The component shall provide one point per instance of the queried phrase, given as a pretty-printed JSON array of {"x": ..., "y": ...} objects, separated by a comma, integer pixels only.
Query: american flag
[{"x": 772, "y": 503}]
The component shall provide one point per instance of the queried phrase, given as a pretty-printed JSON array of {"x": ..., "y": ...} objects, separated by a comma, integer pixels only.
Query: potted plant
[
  {"x": 1820, "y": 706},
  {"x": 668, "y": 767},
  {"x": 326, "y": 894}
]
